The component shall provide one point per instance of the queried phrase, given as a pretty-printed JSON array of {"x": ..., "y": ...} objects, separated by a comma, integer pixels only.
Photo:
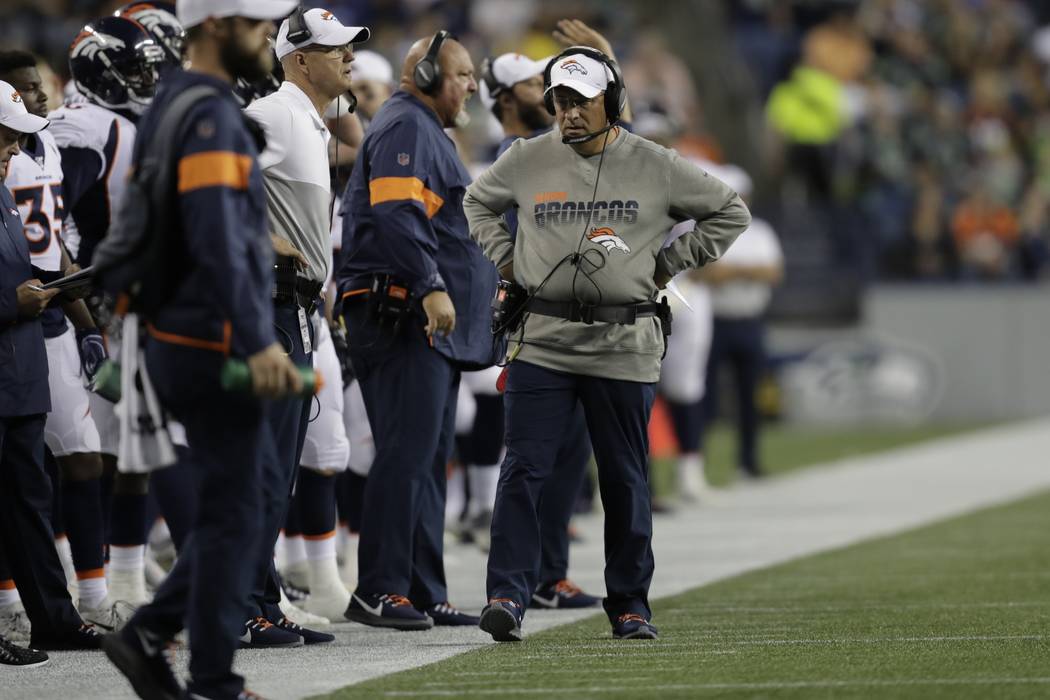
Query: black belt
[
  {"x": 625, "y": 314},
  {"x": 290, "y": 288}
]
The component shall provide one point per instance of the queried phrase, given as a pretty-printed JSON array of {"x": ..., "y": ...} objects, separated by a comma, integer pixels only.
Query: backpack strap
[
  {"x": 160, "y": 151},
  {"x": 138, "y": 227}
]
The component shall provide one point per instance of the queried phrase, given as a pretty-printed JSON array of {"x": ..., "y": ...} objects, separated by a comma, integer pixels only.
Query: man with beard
[
  {"x": 415, "y": 293},
  {"x": 221, "y": 307}
]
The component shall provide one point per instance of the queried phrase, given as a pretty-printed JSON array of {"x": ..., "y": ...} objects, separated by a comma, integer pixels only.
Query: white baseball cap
[
  {"x": 13, "y": 112},
  {"x": 369, "y": 65},
  {"x": 509, "y": 70},
  {"x": 192, "y": 12},
  {"x": 325, "y": 30},
  {"x": 581, "y": 73}
]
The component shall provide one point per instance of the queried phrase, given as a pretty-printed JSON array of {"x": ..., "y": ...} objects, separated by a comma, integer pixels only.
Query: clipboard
[{"x": 77, "y": 282}]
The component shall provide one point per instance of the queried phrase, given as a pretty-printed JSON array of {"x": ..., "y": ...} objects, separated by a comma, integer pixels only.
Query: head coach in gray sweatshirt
[{"x": 595, "y": 204}]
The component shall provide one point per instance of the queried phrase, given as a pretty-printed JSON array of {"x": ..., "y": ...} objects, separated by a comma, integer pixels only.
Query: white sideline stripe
[
  {"x": 806, "y": 610},
  {"x": 891, "y": 640},
  {"x": 769, "y": 685}
]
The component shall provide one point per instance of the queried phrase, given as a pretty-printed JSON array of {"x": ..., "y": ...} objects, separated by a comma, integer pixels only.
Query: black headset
[
  {"x": 427, "y": 73},
  {"x": 489, "y": 78},
  {"x": 615, "y": 91},
  {"x": 299, "y": 32},
  {"x": 298, "y": 29}
]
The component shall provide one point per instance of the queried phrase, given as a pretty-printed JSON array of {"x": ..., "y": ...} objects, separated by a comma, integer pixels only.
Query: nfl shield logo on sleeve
[{"x": 402, "y": 159}]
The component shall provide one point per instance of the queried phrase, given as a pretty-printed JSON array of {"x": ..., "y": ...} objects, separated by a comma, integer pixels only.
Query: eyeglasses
[
  {"x": 565, "y": 103},
  {"x": 328, "y": 50}
]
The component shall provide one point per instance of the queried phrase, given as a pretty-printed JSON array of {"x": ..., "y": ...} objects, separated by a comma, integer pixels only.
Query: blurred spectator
[
  {"x": 883, "y": 114},
  {"x": 986, "y": 234}
]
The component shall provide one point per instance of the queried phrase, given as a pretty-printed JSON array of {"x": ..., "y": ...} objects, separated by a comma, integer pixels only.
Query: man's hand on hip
[
  {"x": 441, "y": 314},
  {"x": 273, "y": 374},
  {"x": 285, "y": 249}
]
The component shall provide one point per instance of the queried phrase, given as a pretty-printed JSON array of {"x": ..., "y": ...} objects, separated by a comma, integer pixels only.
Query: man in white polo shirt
[
  {"x": 742, "y": 284},
  {"x": 315, "y": 50}
]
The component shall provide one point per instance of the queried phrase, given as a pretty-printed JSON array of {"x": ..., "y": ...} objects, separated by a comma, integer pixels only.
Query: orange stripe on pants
[{"x": 316, "y": 538}]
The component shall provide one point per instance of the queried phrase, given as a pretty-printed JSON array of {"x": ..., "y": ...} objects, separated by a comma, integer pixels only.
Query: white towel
[{"x": 145, "y": 441}]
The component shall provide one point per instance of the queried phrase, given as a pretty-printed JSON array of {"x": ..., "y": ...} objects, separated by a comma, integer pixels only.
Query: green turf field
[
  {"x": 785, "y": 448},
  {"x": 960, "y": 609}
]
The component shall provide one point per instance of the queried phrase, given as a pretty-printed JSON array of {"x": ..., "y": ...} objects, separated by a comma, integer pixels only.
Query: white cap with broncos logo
[
  {"x": 581, "y": 73},
  {"x": 13, "y": 112},
  {"x": 325, "y": 30}
]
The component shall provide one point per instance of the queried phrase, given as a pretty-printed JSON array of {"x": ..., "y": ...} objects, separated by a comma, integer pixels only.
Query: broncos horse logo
[
  {"x": 89, "y": 42},
  {"x": 572, "y": 66},
  {"x": 607, "y": 238}
]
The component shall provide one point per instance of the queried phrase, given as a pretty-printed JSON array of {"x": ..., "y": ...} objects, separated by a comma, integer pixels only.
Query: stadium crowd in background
[{"x": 970, "y": 204}]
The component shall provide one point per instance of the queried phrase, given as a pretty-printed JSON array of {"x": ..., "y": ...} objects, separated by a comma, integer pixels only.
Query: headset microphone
[{"x": 587, "y": 137}]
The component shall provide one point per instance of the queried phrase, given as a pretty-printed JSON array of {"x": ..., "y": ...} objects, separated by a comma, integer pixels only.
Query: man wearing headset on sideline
[
  {"x": 595, "y": 204},
  {"x": 415, "y": 291},
  {"x": 316, "y": 52},
  {"x": 512, "y": 88}
]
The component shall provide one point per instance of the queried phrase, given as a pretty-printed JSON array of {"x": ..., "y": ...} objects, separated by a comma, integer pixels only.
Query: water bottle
[{"x": 237, "y": 377}]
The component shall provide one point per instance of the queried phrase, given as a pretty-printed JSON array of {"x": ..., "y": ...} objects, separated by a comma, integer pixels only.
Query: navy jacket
[
  {"x": 225, "y": 301},
  {"x": 403, "y": 215},
  {"x": 23, "y": 359}
]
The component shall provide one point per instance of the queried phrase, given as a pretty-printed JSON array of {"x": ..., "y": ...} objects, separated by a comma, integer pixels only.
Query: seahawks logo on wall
[{"x": 608, "y": 239}]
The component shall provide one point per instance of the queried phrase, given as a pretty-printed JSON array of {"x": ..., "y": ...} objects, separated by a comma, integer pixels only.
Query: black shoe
[
  {"x": 245, "y": 694},
  {"x": 260, "y": 633},
  {"x": 83, "y": 637},
  {"x": 632, "y": 626},
  {"x": 22, "y": 657},
  {"x": 309, "y": 636},
  {"x": 443, "y": 614},
  {"x": 502, "y": 619},
  {"x": 562, "y": 594},
  {"x": 749, "y": 473},
  {"x": 386, "y": 610},
  {"x": 145, "y": 660}
]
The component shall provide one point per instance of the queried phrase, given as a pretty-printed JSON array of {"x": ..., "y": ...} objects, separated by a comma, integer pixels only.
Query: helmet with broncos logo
[
  {"x": 159, "y": 20},
  {"x": 114, "y": 63}
]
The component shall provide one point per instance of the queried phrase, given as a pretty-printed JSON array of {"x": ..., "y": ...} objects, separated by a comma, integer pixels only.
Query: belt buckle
[{"x": 586, "y": 314}]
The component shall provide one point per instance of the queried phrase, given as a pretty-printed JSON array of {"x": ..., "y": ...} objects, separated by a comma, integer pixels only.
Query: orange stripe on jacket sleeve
[
  {"x": 392, "y": 189},
  {"x": 214, "y": 169}
]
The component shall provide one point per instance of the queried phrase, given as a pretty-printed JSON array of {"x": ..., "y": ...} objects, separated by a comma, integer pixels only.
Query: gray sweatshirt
[{"x": 644, "y": 190}]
